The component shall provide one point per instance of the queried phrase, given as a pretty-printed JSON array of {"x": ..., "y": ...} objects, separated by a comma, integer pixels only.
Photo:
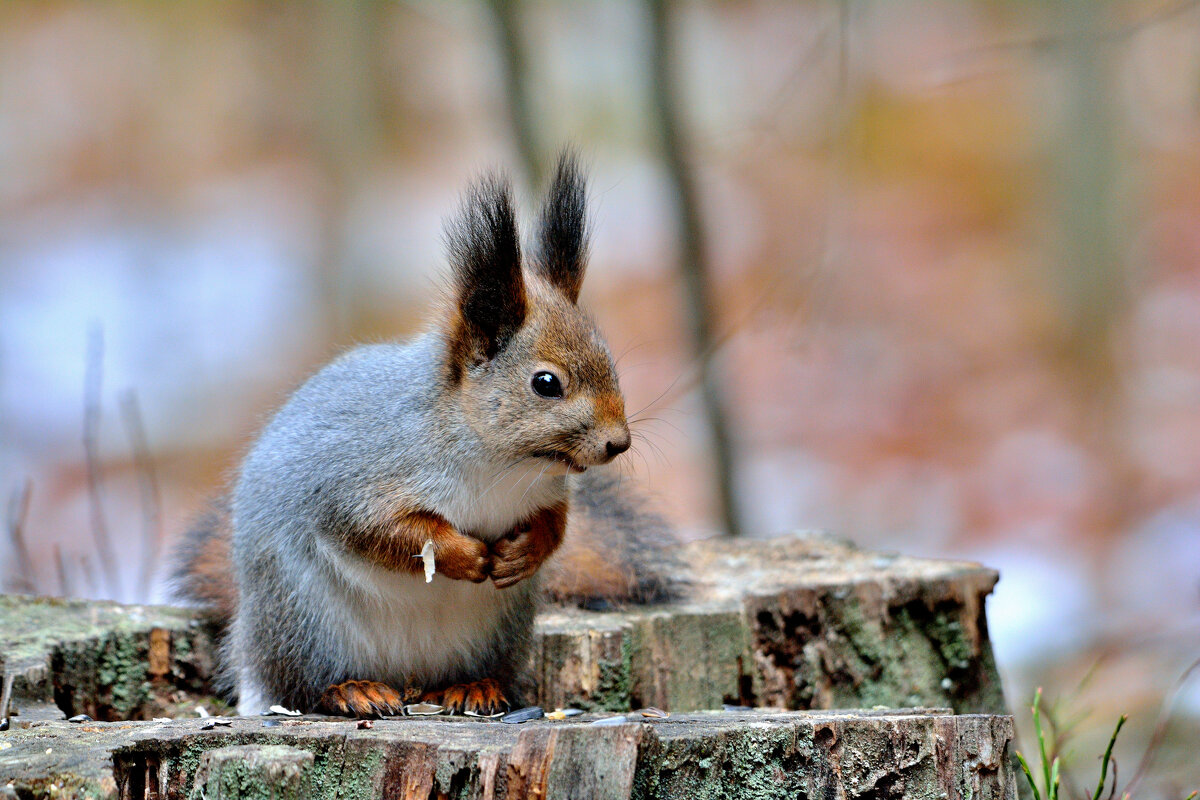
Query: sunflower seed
[
  {"x": 80, "y": 718},
  {"x": 424, "y": 710},
  {"x": 654, "y": 713},
  {"x": 523, "y": 715},
  {"x": 287, "y": 712},
  {"x": 609, "y": 721},
  {"x": 477, "y": 715}
]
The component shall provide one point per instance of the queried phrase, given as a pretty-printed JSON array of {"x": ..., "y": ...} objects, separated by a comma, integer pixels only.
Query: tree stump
[
  {"x": 801, "y": 621},
  {"x": 912, "y": 754}
]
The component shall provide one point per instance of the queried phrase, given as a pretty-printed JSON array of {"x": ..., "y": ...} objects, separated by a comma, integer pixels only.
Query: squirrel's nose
[{"x": 615, "y": 449}]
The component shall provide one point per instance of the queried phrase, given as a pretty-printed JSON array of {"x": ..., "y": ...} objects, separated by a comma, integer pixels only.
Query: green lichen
[
  {"x": 950, "y": 639},
  {"x": 613, "y": 687},
  {"x": 756, "y": 764},
  {"x": 121, "y": 673},
  {"x": 351, "y": 777}
]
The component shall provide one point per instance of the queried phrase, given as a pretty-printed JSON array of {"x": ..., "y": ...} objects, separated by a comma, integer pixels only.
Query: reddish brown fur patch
[
  {"x": 481, "y": 697},
  {"x": 205, "y": 572},
  {"x": 518, "y": 555},
  {"x": 610, "y": 408},
  {"x": 396, "y": 544},
  {"x": 361, "y": 699},
  {"x": 586, "y": 567}
]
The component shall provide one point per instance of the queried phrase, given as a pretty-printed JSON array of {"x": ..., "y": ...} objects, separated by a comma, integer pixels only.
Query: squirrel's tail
[
  {"x": 202, "y": 574},
  {"x": 616, "y": 550}
]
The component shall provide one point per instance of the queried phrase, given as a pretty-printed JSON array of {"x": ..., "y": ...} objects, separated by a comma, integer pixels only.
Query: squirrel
[{"x": 486, "y": 436}]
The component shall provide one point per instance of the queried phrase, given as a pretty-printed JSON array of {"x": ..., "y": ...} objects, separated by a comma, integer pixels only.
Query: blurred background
[{"x": 923, "y": 274}]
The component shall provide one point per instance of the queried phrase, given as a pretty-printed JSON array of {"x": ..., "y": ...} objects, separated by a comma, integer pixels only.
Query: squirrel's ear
[
  {"x": 563, "y": 228},
  {"x": 485, "y": 255}
]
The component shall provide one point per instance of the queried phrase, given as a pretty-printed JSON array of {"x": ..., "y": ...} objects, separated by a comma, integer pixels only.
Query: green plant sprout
[{"x": 1050, "y": 767}]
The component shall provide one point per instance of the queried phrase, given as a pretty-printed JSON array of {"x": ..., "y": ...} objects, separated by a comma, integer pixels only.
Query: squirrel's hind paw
[
  {"x": 483, "y": 697},
  {"x": 361, "y": 699}
]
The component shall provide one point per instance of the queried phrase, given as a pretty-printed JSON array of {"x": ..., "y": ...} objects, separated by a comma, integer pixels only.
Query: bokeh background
[{"x": 946, "y": 258}]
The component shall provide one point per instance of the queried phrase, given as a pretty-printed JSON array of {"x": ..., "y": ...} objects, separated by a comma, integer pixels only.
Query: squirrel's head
[{"x": 531, "y": 371}]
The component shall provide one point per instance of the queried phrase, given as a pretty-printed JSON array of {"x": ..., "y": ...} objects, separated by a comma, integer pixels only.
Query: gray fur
[{"x": 362, "y": 423}]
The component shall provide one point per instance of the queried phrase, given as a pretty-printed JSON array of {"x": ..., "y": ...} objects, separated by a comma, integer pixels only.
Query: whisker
[
  {"x": 675, "y": 427},
  {"x": 532, "y": 482},
  {"x": 661, "y": 395}
]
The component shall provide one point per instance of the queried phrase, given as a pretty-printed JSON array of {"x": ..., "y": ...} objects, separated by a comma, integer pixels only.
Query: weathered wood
[
  {"x": 273, "y": 771},
  {"x": 912, "y": 754},
  {"x": 802, "y": 621},
  {"x": 105, "y": 660}
]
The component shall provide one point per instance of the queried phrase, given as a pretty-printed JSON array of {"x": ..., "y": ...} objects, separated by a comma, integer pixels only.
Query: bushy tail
[
  {"x": 203, "y": 571},
  {"x": 617, "y": 551}
]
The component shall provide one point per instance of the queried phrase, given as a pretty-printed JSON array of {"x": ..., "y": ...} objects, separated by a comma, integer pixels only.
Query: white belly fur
[
  {"x": 398, "y": 627},
  {"x": 393, "y": 627}
]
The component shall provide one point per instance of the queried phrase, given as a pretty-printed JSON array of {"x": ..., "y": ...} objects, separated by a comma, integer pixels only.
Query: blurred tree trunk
[
  {"x": 1090, "y": 280},
  {"x": 345, "y": 117},
  {"x": 507, "y": 14},
  {"x": 694, "y": 262}
]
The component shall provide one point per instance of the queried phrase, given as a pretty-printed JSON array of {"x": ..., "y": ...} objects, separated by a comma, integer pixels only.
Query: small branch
[
  {"x": 93, "y": 382},
  {"x": 1160, "y": 728},
  {"x": 148, "y": 487},
  {"x": 65, "y": 587},
  {"x": 1052, "y": 42},
  {"x": 18, "y": 513},
  {"x": 91, "y": 585},
  {"x": 6, "y": 694}
]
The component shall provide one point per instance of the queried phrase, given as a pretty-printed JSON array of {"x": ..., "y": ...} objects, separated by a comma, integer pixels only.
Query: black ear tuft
[
  {"x": 485, "y": 255},
  {"x": 563, "y": 234}
]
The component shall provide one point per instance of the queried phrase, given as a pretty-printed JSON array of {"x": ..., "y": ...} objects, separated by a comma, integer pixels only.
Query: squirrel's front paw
[
  {"x": 483, "y": 697},
  {"x": 517, "y": 556},
  {"x": 361, "y": 699},
  {"x": 462, "y": 558}
]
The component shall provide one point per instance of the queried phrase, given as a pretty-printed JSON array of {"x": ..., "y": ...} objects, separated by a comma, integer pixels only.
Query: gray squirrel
[{"x": 486, "y": 436}]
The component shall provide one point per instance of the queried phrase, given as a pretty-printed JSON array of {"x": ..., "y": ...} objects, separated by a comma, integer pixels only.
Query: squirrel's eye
[{"x": 547, "y": 384}]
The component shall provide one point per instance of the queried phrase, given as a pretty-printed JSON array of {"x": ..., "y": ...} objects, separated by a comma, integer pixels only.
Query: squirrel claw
[
  {"x": 483, "y": 697},
  {"x": 361, "y": 699}
]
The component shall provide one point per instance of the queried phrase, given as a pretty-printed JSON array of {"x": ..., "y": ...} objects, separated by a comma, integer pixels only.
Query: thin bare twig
[
  {"x": 18, "y": 512},
  {"x": 1160, "y": 727},
  {"x": 1052, "y": 42},
  {"x": 148, "y": 487},
  {"x": 93, "y": 383},
  {"x": 6, "y": 695},
  {"x": 91, "y": 585},
  {"x": 65, "y": 587}
]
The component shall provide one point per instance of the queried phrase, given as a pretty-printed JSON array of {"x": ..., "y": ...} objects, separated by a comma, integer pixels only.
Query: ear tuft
[
  {"x": 563, "y": 229},
  {"x": 485, "y": 256}
]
